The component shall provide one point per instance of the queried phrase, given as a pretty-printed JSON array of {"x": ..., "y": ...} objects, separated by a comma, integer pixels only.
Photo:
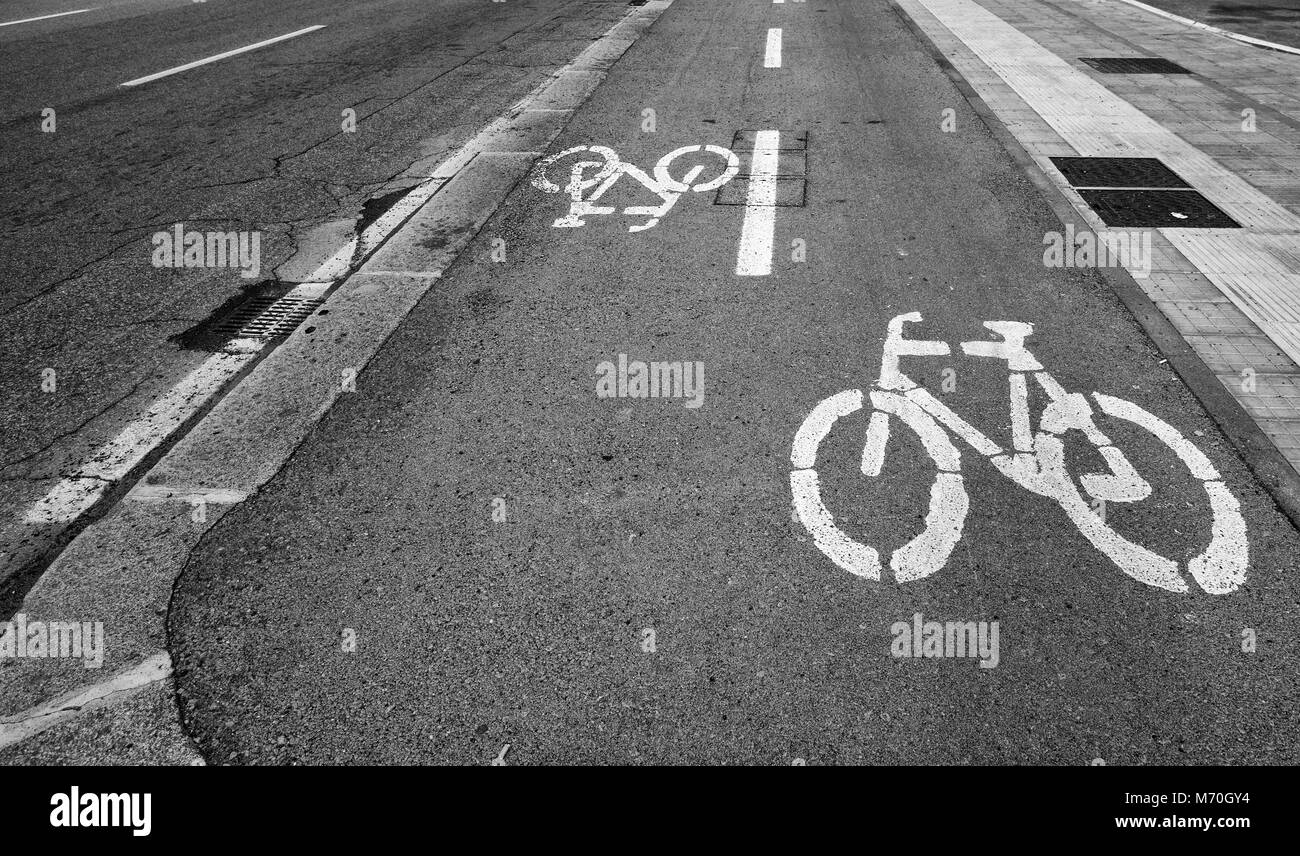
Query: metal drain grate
[
  {"x": 1157, "y": 208},
  {"x": 267, "y": 317},
  {"x": 1133, "y": 65},
  {"x": 1117, "y": 172}
]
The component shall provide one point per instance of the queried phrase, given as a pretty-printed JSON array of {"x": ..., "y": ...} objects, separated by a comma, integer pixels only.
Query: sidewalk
[{"x": 1230, "y": 129}]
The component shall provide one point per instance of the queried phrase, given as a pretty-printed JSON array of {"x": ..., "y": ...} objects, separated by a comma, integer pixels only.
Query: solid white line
[
  {"x": 772, "y": 56},
  {"x": 178, "y": 69},
  {"x": 1250, "y": 40},
  {"x": 110, "y": 463},
  {"x": 46, "y": 17},
  {"x": 754, "y": 258}
]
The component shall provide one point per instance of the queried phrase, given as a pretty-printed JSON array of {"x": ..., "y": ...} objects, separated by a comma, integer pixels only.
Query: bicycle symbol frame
[
  {"x": 1036, "y": 463},
  {"x": 612, "y": 168}
]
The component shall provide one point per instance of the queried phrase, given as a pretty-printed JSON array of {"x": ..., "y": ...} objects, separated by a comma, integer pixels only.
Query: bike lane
[{"x": 510, "y": 558}]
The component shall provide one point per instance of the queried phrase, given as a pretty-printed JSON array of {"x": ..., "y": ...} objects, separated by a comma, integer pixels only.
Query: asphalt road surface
[{"x": 477, "y": 554}]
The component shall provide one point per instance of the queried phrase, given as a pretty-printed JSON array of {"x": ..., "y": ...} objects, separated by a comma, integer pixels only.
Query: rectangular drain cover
[
  {"x": 1133, "y": 65},
  {"x": 1156, "y": 208},
  {"x": 267, "y": 317},
  {"x": 1141, "y": 192},
  {"x": 1118, "y": 172}
]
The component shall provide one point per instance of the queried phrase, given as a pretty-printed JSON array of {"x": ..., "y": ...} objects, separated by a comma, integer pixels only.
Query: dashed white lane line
[
  {"x": 754, "y": 258},
  {"x": 772, "y": 56},
  {"x": 45, "y": 17},
  {"x": 198, "y": 62}
]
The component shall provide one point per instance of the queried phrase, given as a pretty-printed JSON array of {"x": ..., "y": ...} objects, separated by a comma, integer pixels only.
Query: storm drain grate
[
  {"x": 1118, "y": 172},
  {"x": 1157, "y": 208},
  {"x": 267, "y": 317},
  {"x": 1133, "y": 65},
  {"x": 1141, "y": 192}
]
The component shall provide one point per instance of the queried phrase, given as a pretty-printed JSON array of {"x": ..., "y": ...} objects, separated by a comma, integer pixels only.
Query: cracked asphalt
[{"x": 252, "y": 145}]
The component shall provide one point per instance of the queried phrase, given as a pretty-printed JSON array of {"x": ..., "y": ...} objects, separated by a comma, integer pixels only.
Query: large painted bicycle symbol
[
  {"x": 1037, "y": 463},
  {"x": 609, "y": 169}
]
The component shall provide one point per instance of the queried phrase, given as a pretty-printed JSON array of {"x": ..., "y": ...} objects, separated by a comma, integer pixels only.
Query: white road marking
[
  {"x": 178, "y": 69},
  {"x": 1250, "y": 40},
  {"x": 367, "y": 311},
  {"x": 611, "y": 168},
  {"x": 772, "y": 56},
  {"x": 16, "y": 728},
  {"x": 1039, "y": 466},
  {"x": 1252, "y": 266},
  {"x": 111, "y": 462},
  {"x": 46, "y": 17},
  {"x": 754, "y": 258}
]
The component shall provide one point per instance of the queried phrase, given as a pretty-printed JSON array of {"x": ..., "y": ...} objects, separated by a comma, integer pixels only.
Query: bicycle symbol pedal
[
  {"x": 1036, "y": 462},
  {"x": 610, "y": 168}
]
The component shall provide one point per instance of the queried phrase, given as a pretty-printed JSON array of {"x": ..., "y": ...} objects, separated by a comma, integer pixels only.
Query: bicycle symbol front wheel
[
  {"x": 668, "y": 183},
  {"x": 927, "y": 552}
]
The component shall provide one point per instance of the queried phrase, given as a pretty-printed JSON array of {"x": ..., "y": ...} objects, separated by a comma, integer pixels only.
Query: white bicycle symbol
[
  {"x": 1036, "y": 464},
  {"x": 611, "y": 169}
]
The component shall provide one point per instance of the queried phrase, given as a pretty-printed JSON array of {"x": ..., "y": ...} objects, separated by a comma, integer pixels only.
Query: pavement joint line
[
  {"x": 414, "y": 274},
  {"x": 47, "y": 17},
  {"x": 19, "y": 727},
  {"x": 284, "y": 366},
  {"x": 169, "y": 493}
]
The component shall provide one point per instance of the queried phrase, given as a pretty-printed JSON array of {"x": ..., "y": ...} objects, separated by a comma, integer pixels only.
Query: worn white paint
[
  {"x": 1250, "y": 40},
  {"x": 44, "y": 17},
  {"x": 1038, "y": 464},
  {"x": 110, "y": 463},
  {"x": 178, "y": 69},
  {"x": 16, "y": 728},
  {"x": 610, "y": 168},
  {"x": 757, "y": 229},
  {"x": 772, "y": 52},
  {"x": 75, "y": 494}
]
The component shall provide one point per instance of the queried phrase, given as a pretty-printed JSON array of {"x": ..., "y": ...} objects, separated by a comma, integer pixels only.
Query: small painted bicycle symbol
[
  {"x": 1036, "y": 463},
  {"x": 609, "y": 169}
]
